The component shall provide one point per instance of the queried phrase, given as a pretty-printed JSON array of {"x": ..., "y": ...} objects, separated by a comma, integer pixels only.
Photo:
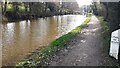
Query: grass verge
[
  {"x": 106, "y": 36},
  {"x": 37, "y": 57}
]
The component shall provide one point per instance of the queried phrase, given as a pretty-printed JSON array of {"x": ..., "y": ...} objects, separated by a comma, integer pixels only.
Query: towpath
[{"x": 85, "y": 49}]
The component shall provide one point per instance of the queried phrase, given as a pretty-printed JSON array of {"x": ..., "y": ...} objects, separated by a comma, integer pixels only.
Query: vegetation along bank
[{"x": 41, "y": 55}]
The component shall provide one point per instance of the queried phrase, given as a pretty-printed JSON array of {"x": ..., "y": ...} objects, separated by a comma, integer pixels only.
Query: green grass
[
  {"x": 89, "y": 14},
  {"x": 44, "y": 53},
  {"x": 105, "y": 34}
]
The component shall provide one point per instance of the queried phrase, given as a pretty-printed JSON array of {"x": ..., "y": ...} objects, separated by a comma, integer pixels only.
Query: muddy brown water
[{"x": 21, "y": 38}]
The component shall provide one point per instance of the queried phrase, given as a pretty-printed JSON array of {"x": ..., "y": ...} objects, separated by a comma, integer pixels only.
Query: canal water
[{"x": 21, "y": 38}]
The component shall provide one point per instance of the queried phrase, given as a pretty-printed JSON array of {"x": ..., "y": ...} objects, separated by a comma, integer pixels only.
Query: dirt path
[{"x": 85, "y": 49}]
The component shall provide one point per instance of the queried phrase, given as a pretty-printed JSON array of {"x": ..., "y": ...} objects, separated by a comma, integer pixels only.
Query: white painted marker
[{"x": 114, "y": 45}]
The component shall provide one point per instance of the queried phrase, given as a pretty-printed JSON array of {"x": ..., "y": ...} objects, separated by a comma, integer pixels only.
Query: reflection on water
[{"x": 21, "y": 38}]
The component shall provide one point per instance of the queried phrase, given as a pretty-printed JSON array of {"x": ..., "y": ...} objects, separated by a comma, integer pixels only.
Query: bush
[{"x": 105, "y": 34}]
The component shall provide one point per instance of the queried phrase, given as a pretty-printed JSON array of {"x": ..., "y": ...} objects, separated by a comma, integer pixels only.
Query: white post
[{"x": 114, "y": 45}]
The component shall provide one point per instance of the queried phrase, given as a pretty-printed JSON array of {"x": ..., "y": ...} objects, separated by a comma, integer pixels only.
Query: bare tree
[{"x": 5, "y": 6}]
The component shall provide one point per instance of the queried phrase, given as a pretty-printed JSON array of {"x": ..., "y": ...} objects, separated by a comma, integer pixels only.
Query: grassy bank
[
  {"x": 42, "y": 54},
  {"x": 105, "y": 33}
]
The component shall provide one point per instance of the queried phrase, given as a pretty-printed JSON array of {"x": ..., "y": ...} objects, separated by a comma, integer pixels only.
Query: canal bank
[
  {"x": 41, "y": 55},
  {"x": 20, "y": 39},
  {"x": 85, "y": 49}
]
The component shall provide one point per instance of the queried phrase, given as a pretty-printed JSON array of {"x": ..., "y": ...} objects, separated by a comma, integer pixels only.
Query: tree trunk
[
  {"x": 106, "y": 16},
  {"x": 5, "y": 6}
]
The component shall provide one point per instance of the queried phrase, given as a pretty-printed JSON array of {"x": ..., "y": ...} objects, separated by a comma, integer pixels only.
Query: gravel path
[{"x": 85, "y": 49}]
